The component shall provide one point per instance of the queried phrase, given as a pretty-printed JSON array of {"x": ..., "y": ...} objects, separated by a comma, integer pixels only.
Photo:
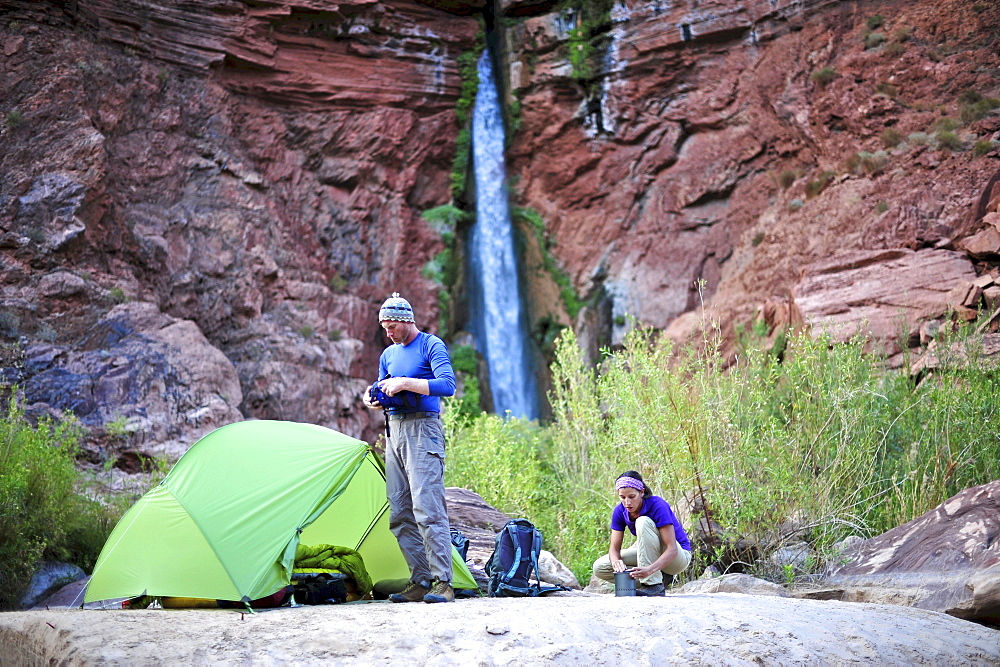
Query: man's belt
[{"x": 413, "y": 415}]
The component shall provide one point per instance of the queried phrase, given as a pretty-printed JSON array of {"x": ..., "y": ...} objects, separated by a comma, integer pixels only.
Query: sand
[{"x": 566, "y": 628}]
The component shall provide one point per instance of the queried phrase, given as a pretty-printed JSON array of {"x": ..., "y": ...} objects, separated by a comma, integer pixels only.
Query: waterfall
[{"x": 498, "y": 319}]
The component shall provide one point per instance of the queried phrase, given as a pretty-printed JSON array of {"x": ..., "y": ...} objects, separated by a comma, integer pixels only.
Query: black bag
[
  {"x": 321, "y": 589},
  {"x": 515, "y": 560}
]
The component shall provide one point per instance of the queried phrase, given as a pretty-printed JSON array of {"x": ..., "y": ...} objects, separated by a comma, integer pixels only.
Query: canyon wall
[
  {"x": 248, "y": 174},
  {"x": 203, "y": 204}
]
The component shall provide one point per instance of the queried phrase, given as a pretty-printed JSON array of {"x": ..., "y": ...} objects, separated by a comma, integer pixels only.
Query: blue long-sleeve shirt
[{"x": 425, "y": 358}]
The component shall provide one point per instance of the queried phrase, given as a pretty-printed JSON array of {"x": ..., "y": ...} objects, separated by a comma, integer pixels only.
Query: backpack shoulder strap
[{"x": 511, "y": 530}]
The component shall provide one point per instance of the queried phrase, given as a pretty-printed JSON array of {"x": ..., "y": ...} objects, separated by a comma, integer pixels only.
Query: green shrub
[
  {"x": 902, "y": 35},
  {"x": 817, "y": 186},
  {"x": 41, "y": 514},
  {"x": 891, "y": 137},
  {"x": 981, "y": 108},
  {"x": 465, "y": 361},
  {"x": 337, "y": 282},
  {"x": 874, "y": 39},
  {"x": 795, "y": 204},
  {"x": 947, "y": 140},
  {"x": 15, "y": 119},
  {"x": 874, "y": 22},
  {"x": 946, "y": 124},
  {"x": 785, "y": 179},
  {"x": 823, "y": 77},
  {"x": 894, "y": 49},
  {"x": 307, "y": 331},
  {"x": 919, "y": 138},
  {"x": 982, "y": 147},
  {"x": 826, "y": 434},
  {"x": 872, "y": 163},
  {"x": 882, "y": 206},
  {"x": 118, "y": 295}
]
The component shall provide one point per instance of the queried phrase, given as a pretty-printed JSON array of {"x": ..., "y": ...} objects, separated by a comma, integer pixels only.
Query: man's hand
[
  {"x": 392, "y": 386},
  {"x": 367, "y": 399}
]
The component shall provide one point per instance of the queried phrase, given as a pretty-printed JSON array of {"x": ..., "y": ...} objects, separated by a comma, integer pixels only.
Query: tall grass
[{"x": 822, "y": 444}]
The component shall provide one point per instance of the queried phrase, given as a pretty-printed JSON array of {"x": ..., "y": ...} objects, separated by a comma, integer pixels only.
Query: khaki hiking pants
[
  {"x": 414, "y": 480},
  {"x": 644, "y": 552}
]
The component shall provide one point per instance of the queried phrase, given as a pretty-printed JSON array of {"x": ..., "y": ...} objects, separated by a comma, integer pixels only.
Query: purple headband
[{"x": 630, "y": 482}]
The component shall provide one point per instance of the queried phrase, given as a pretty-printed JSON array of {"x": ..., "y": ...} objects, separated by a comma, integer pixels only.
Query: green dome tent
[{"x": 225, "y": 522}]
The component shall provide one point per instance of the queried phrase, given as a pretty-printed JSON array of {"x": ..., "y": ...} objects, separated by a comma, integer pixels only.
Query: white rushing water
[{"x": 498, "y": 320}]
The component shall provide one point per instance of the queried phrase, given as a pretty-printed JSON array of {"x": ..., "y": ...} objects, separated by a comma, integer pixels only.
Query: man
[{"x": 416, "y": 362}]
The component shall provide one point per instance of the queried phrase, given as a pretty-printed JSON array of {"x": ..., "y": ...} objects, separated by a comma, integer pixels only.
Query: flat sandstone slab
[{"x": 567, "y": 628}]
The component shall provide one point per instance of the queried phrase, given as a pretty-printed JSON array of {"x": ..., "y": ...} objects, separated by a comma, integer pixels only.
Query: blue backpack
[{"x": 515, "y": 560}]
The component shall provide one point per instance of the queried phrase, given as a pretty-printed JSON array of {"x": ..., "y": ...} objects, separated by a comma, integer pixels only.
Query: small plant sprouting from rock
[
  {"x": 15, "y": 119},
  {"x": 982, "y": 147},
  {"x": 307, "y": 331},
  {"x": 823, "y": 77},
  {"x": 874, "y": 22},
  {"x": 118, "y": 295},
  {"x": 868, "y": 163},
  {"x": 918, "y": 139},
  {"x": 795, "y": 204},
  {"x": 816, "y": 186},
  {"x": 948, "y": 140},
  {"x": 873, "y": 40},
  {"x": 946, "y": 124},
  {"x": 975, "y": 107},
  {"x": 334, "y": 335},
  {"x": 337, "y": 283},
  {"x": 882, "y": 206},
  {"x": 891, "y": 137},
  {"x": 784, "y": 179},
  {"x": 894, "y": 49}
]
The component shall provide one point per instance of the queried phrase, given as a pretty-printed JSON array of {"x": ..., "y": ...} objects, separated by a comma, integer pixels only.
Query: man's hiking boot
[
  {"x": 414, "y": 592},
  {"x": 650, "y": 590},
  {"x": 441, "y": 591}
]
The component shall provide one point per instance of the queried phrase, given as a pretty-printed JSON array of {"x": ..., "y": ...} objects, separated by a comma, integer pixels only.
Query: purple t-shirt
[
  {"x": 426, "y": 358},
  {"x": 657, "y": 509}
]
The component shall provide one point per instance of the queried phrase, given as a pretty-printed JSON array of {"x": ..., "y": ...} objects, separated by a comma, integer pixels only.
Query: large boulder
[{"x": 946, "y": 560}]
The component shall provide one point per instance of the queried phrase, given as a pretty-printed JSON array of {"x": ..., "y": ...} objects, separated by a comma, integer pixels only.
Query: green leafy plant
[
  {"x": 825, "y": 433},
  {"x": 882, "y": 206},
  {"x": 307, "y": 331},
  {"x": 533, "y": 220},
  {"x": 42, "y": 516}
]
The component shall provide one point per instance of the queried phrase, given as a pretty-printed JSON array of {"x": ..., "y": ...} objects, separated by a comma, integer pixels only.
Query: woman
[{"x": 661, "y": 544}]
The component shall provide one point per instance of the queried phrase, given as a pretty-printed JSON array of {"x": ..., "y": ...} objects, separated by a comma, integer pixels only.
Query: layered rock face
[
  {"x": 228, "y": 189},
  {"x": 247, "y": 175},
  {"x": 716, "y": 151}
]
